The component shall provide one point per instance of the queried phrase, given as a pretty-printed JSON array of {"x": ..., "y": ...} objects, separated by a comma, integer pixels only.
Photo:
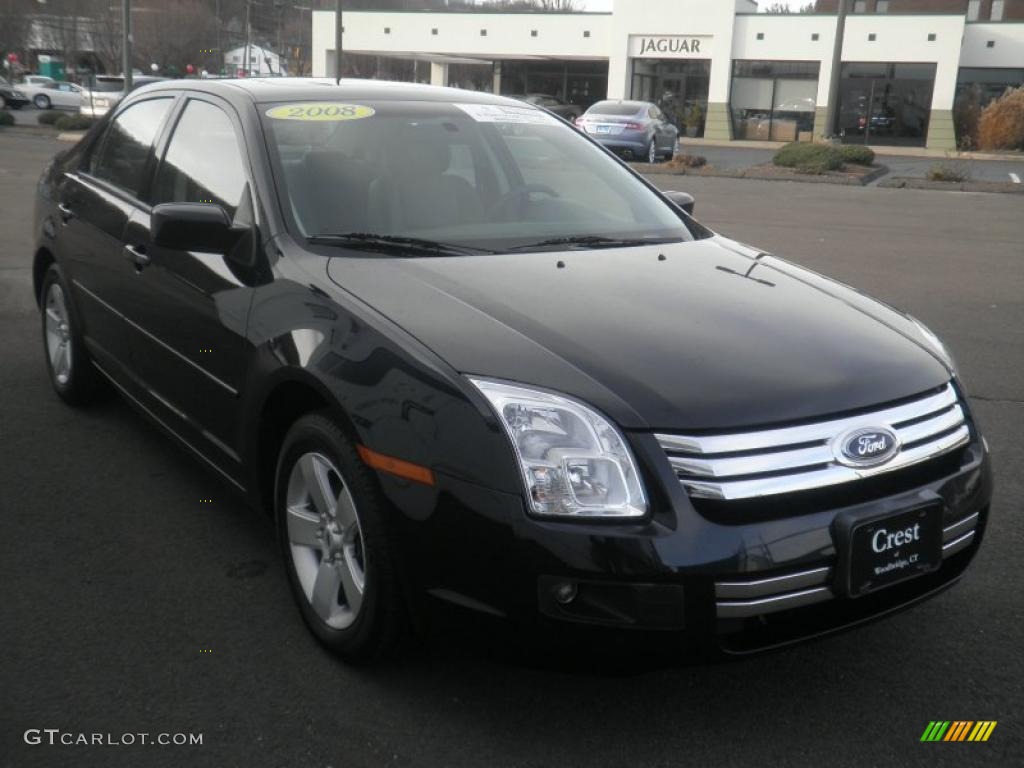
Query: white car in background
[{"x": 46, "y": 95}]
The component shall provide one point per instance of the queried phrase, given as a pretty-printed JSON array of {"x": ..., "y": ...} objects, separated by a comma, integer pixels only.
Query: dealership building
[{"x": 726, "y": 71}]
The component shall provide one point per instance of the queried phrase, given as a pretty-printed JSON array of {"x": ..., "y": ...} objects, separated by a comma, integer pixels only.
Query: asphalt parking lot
[{"x": 131, "y": 606}]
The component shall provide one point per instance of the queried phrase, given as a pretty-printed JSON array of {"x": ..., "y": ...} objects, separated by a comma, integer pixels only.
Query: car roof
[{"x": 268, "y": 89}]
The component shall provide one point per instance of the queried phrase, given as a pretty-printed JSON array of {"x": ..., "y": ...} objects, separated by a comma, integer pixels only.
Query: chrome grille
[{"x": 746, "y": 465}]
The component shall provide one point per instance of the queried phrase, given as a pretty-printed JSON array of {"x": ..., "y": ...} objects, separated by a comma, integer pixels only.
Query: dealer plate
[{"x": 891, "y": 549}]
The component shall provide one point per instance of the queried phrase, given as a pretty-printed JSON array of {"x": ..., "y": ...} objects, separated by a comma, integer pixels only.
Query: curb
[
  {"x": 1000, "y": 187},
  {"x": 879, "y": 149},
  {"x": 72, "y": 136},
  {"x": 752, "y": 173}
]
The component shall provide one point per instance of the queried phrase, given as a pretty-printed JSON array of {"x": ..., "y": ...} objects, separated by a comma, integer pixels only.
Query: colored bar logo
[{"x": 959, "y": 730}]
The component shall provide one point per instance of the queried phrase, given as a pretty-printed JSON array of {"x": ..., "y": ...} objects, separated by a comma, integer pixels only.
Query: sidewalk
[{"x": 887, "y": 151}]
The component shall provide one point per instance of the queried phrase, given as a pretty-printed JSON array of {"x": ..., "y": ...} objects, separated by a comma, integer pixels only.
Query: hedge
[
  {"x": 809, "y": 158},
  {"x": 6, "y": 118},
  {"x": 857, "y": 154},
  {"x": 72, "y": 122},
  {"x": 49, "y": 117}
]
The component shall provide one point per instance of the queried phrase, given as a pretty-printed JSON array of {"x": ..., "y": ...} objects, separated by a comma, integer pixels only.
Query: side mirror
[
  {"x": 193, "y": 227},
  {"x": 683, "y": 199}
]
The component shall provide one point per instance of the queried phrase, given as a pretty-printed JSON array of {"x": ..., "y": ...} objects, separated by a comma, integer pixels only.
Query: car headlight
[
  {"x": 936, "y": 344},
  {"x": 574, "y": 462},
  {"x": 19, "y": 95}
]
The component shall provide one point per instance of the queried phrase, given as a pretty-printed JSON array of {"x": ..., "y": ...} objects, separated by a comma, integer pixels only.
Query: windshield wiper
[
  {"x": 393, "y": 243},
  {"x": 595, "y": 241}
]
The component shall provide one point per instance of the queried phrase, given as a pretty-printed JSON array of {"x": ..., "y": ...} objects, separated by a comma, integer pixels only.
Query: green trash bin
[{"x": 51, "y": 66}]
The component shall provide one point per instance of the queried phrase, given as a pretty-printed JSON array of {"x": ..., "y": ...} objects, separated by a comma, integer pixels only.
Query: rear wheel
[
  {"x": 652, "y": 152},
  {"x": 67, "y": 360},
  {"x": 331, "y": 524},
  {"x": 42, "y": 101}
]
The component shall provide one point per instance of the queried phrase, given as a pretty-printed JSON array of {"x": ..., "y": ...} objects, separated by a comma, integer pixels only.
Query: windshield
[
  {"x": 484, "y": 177},
  {"x": 613, "y": 108}
]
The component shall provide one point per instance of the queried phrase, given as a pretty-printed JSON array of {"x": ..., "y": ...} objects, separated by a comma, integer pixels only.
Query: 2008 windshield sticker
[
  {"x": 320, "y": 110},
  {"x": 499, "y": 113}
]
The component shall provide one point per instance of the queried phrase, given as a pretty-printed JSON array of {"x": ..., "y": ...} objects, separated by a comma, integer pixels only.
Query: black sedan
[{"x": 462, "y": 355}]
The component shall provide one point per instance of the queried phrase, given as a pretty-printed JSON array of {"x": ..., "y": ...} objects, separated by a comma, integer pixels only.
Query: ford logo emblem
[{"x": 866, "y": 447}]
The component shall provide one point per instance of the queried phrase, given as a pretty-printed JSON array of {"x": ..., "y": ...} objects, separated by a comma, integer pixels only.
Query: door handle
[
  {"x": 137, "y": 254},
  {"x": 65, "y": 212}
]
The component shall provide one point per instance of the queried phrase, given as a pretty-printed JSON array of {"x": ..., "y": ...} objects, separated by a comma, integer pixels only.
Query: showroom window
[
  {"x": 678, "y": 86},
  {"x": 774, "y": 100},
  {"x": 885, "y": 103}
]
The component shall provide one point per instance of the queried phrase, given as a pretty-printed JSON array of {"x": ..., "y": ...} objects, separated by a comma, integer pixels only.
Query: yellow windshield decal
[{"x": 320, "y": 110}]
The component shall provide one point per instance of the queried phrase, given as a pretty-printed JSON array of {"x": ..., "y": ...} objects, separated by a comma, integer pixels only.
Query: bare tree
[{"x": 173, "y": 35}]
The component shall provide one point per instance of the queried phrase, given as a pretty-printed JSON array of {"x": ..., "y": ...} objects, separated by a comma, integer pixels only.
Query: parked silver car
[
  {"x": 53, "y": 94},
  {"x": 631, "y": 128},
  {"x": 104, "y": 91}
]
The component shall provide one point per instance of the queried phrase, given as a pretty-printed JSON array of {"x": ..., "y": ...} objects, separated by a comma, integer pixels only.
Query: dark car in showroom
[
  {"x": 464, "y": 357},
  {"x": 552, "y": 104},
  {"x": 635, "y": 129}
]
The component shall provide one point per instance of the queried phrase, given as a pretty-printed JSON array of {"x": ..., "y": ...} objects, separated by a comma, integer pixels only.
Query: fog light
[{"x": 565, "y": 592}]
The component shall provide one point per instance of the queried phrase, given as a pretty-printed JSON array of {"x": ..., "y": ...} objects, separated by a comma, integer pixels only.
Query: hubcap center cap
[{"x": 333, "y": 538}]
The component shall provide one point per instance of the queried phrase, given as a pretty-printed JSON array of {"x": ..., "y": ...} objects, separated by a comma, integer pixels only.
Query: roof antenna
[{"x": 337, "y": 43}]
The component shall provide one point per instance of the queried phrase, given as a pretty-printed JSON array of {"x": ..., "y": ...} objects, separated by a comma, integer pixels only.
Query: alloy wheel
[
  {"x": 652, "y": 152},
  {"x": 326, "y": 540},
  {"x": 58, "y": 334}
]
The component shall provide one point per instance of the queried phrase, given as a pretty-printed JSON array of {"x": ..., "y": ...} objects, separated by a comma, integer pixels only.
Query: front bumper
[{"x": 734, "y": 584}]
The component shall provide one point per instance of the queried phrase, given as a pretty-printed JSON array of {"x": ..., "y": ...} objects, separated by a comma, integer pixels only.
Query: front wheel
[
  {"x": 331, "y": 525},
  {"x": 42, "y": 101},
  {"x": 67, "y": 360}
]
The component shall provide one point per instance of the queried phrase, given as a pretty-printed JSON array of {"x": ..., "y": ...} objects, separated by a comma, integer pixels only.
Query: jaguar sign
[{"x": 670, "y": 46}]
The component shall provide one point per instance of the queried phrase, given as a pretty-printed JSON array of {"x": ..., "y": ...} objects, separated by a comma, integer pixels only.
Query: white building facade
[{"x": 726, "y": 71}]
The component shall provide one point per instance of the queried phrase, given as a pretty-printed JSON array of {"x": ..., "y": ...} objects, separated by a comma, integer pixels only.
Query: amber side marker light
[{"x": 396, "y": 467}]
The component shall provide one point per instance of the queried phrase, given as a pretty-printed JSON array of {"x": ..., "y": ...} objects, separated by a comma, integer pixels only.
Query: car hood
[{"x": 700, "y": 335}]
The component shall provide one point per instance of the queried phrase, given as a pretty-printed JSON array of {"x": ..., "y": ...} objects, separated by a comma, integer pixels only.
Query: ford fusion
[{"x": 465, "y": 357}]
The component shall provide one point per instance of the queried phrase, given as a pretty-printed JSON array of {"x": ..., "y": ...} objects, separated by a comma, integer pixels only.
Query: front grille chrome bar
[{"x": 749, "y": 465}]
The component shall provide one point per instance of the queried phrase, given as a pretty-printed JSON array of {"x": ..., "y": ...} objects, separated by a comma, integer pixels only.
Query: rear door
[
  {"x": 193, "y": 305},
  {"x": 95, "y": 203}
]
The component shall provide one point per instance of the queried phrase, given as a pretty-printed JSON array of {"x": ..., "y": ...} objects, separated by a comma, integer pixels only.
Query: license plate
[
  {"x": 603, "y": 129},
  {"x": 887, "y": 550}
]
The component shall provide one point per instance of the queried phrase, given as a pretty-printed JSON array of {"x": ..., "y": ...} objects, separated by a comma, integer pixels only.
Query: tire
[
  {"x": 652, "y": 152},
  {"x": 68, "y": 364},
  {"x": 42, "y": 101},
  {"x": 332, "y": 540}
]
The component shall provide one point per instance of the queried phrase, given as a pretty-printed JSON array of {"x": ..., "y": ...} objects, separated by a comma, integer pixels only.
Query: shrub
[
  {"x": 6, "y": 118},
  {"x": 966, "y": 114},
  {"x": 49, "y": 117},
  {"x": 809, "y": 158},
  {"x": 687, "y": 161},
  {"x": 1001, "y": 125},
  {"x": 856, "y": 154},
  {"x": 72, "y": 122},
  {"x": 948, "y": 172}
]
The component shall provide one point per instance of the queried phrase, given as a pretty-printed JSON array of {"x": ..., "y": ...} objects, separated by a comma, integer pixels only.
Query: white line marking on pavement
[{"x": 1015, "y": 177}]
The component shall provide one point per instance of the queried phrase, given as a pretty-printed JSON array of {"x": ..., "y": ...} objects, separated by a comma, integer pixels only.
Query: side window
[
  {"x": 653, "y": 113},
  {"x": 203, "y": 163},
  {"x": 121, "y": 156}
]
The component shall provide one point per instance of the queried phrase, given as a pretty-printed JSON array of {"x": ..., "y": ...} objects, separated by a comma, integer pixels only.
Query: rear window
[
  {"x": 613, "y": 108},
  {"x": 108, "y": 85}
]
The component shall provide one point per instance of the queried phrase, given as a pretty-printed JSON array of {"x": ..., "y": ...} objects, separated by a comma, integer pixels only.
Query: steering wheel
[{"x": 520, "y": 194}]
